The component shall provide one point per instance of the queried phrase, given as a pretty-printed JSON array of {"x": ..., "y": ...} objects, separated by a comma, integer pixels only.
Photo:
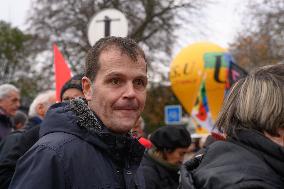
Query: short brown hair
[
  {"x": 255, "y": 102},
  {"x": 125, "y": 45}
]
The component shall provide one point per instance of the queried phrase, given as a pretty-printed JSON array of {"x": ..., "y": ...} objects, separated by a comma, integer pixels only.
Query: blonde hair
[{"x": 255, "y": 102}]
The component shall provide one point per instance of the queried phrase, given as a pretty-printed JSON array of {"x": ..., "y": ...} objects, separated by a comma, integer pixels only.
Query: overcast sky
[{"x": 223, "y": 21}]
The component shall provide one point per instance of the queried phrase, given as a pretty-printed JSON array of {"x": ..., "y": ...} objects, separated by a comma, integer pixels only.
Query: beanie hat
[
  {"x": 73, "y": 83},
  {"x": 171, "y": 137}
]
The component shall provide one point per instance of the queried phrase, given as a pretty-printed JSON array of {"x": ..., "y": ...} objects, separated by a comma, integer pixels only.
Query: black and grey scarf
[
  {"x": 85, "y": 116},
  {"x": 120, "y": 147}
]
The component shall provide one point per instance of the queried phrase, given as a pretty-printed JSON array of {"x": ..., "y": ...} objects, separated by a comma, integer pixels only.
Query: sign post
[
  {"x": 173, "y": 114},
  {"x": 109, "y": 22}
]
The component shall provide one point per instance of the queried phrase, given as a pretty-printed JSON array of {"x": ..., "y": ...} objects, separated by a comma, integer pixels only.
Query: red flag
[{"x": 61, "y": 70}]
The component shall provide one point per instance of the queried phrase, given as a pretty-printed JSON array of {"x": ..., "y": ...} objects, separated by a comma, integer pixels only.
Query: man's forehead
[
  {"x": 114, "y": 59},
  {"x": 13, "y": 94},
  {"x": 109, "y": 73},
  {"x": 114, "y": 50}
]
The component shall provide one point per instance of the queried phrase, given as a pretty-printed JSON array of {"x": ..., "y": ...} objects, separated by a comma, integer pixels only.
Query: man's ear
[{"x": 87, "y": 88}]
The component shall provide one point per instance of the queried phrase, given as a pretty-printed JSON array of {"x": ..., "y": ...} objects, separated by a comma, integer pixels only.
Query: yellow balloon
[{"x": 193, "y": 64}]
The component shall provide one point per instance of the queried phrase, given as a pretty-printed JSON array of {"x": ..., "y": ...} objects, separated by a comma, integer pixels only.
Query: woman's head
[
  {"x": 255, "y": 102},
  {"x": 172, "y": 143}
]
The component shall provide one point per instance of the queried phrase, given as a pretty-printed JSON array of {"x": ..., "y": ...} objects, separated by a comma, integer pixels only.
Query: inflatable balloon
[
  {"x": 215, "y": 81},
  {"x": 200, "y": 75}
]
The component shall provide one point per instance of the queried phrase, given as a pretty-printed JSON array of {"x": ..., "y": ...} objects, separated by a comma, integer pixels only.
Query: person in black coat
[
  {"x": 36, "y": 113},
  {"x": 161, "y": 163},
  {"x": 9, "y": 104},
  {"x": 18, "y": 142},
  {"x": 19, "y": 121},
  {"x": 85, "y": 143},
  {"x": 253, "y": 123},
  {"x": 26, "y": 139}
]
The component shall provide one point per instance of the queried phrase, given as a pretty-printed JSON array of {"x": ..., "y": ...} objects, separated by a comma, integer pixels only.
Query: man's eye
[
  {"x": 15, "y": 100},
  {"x": 115, "y": 81},
  {"x": 139, "y": 82},
  {"x": 66, "y": 99}
]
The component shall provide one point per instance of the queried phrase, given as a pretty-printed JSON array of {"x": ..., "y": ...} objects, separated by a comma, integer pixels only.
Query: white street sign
[{"x": 108, "y": 22}]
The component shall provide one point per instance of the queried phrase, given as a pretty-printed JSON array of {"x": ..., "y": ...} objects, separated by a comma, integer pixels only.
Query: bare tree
[
  {"x": 262, "y": 40},
  {"x": 151, "y": 23}
]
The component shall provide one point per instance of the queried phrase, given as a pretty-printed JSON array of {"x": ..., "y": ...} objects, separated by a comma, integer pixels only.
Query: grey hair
[
  {"x": 255, "y": 102},
  {"x": 41, "y": 98},
  {"x": 5, "y": 89}
]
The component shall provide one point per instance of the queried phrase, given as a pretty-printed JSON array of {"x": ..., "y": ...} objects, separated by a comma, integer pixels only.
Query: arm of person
[{"x": 40, "y": 167}]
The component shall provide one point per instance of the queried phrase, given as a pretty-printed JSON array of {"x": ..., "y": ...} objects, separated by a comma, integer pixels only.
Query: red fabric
[
  {"x": 218, "y": 136},
  {"x": 145, "y": 142},
  {"x": 61, "y": 70}
]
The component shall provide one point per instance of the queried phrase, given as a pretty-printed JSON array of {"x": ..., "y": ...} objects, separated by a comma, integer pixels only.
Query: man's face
[
  {"x": 11, "y": 103},
  {"x": 51, "y": 101},
  {"x": 42, "y": 108},
  {"x": 118, "y": 93},
  {"x": 72, "y": 93}
]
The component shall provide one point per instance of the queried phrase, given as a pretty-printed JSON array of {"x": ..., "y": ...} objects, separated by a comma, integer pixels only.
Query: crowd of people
[{"x": 94, "y": 137}]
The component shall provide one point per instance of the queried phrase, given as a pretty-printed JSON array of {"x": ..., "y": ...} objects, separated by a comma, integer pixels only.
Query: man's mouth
[
  {"x": 128, "y": 107},
  {"x": 126, "y": 110}
]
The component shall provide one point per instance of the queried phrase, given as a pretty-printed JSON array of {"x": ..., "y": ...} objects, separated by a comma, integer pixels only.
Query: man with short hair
[
  {"x": 18, "y": 142},
  {"x": 9, "y": 104},
  {"x": 39, "y": 107},
  {"x": 85, "y": 143},
  {"x": 72, "y": 89},
  {"x": 37, "y": 111}
]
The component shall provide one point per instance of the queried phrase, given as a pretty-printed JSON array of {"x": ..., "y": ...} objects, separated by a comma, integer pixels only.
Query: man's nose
[{"x": 129, "y": 91}]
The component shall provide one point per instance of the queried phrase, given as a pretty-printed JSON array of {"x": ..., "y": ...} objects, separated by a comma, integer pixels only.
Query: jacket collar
[
  {"x": 262, "y": 147},
  {"x": 119, "y": 147}
]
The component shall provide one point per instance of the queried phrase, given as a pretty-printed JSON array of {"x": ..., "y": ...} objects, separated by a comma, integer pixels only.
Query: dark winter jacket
[
  {"x": 158, "y": 176},
  {"x": 5, "y": 124},
  {"x": 77, "y": 151},
  {"x": 12, "y": 139},
  {"x": 249, "y": 160},
  {"x": 25, "y": 140},
  {"x": 8, "y": 142}
]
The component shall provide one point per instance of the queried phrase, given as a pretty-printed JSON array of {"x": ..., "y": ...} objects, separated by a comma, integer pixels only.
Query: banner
[{"x": 61, "y": 70}]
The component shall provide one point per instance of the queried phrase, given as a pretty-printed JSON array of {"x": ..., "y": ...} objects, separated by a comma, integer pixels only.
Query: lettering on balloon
[{"x": 218, "y": 65}]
